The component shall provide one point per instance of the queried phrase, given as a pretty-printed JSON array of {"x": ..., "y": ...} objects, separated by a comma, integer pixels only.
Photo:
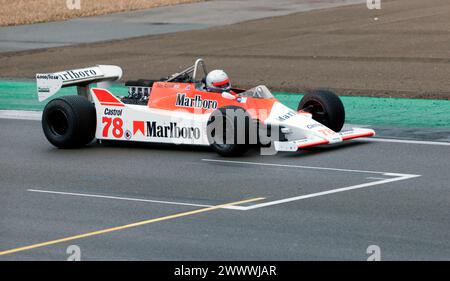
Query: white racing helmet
[{"x": 218, "y": 81}]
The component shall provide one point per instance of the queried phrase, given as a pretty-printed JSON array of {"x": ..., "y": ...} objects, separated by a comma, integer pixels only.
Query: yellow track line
[{"x": 107, "y": 230}]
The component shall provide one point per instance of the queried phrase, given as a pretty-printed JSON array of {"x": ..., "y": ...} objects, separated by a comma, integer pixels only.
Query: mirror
[{"x": 227, "y": 95}]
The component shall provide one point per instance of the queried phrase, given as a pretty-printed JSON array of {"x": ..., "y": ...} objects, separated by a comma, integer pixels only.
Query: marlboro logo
[
  {"x": 172, "y": 130},
  {"x": 78, "y": 74},
  {"x": 195, "y": 102}
]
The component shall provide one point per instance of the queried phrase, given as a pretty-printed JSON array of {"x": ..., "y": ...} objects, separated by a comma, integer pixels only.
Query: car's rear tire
[
  {"x": 326, "y": 107},
  {"x": 233, "y": 140},
  {"x": 69, "y": 121}
]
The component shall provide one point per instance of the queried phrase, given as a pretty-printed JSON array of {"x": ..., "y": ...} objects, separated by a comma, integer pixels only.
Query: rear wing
[{"x": 49, "y": 84}]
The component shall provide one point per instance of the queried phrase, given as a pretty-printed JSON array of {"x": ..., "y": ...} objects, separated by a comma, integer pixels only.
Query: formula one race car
[{"x": 178, "y": 109}]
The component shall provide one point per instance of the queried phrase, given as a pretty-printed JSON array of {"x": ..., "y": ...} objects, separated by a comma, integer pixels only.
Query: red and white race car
[{"x": 179, "y": 110}]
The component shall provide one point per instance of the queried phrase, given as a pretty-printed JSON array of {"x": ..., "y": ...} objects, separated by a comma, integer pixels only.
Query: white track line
[
  {"x": 375, "y": 178},
  {"x": 406, "y": 141},
  {"x": 328, "y": 192},
  {"x": 128, "y": 199},
  {"x": 21, "y": 114},
  {"x": 398, "y": 177},
  {"x": 293, "y": 166}
]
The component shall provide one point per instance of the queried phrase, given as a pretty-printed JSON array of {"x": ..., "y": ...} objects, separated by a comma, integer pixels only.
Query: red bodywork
[{"x": 164, "y": 94}]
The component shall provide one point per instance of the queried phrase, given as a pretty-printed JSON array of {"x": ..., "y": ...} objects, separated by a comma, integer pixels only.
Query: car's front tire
[
  {"x": 69, "y": 121},
  {"x": 229, "y": 136},
  {"x": 326, "y": 108}
]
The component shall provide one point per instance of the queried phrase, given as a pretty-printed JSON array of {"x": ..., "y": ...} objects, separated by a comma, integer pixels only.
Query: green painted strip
[
  {"x": 419, "y": 113},
  {"x": 21, "y": 95}
]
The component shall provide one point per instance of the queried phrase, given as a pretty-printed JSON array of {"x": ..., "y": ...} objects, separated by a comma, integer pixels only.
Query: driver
[{"x": 218, "y": 81}]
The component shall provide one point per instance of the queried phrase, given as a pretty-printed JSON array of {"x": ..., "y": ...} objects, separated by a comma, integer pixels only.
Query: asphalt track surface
[
  {"x": 161, "y": 20},
  {"x": 324, "y": 203}
]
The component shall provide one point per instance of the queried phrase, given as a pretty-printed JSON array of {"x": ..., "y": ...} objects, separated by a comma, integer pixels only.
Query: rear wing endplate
[{"x": 49, "y": 84}]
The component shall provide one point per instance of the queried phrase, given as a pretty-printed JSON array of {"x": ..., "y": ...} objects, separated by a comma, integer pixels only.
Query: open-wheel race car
[{"x": 180, "y": 109}]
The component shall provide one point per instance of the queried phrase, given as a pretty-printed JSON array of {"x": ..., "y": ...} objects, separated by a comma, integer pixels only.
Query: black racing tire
[
  {"x": 69, "y": 121},
  {"x": 326, "y": 107},
  {"x": 236, "y": 121}
]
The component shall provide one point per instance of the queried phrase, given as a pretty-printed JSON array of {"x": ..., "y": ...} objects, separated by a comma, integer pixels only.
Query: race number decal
[
  {"x": 327, "y": 132},
  {"x": 113, "y": 125}
]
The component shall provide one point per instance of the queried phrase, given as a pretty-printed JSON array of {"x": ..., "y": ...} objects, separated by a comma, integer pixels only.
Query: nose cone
[{"x": 300, "y": 125}]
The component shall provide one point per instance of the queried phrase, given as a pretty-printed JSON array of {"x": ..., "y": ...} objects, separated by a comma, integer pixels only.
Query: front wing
[{"x": 316, "y": 141}]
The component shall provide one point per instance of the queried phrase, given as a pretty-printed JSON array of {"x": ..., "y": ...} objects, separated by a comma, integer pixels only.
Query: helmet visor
[{"x": 224, "y": 85}]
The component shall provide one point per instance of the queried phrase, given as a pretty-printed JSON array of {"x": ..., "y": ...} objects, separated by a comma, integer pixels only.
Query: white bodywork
[
  {"x": 144, "y": 124},
  {"x": 303, "y": 131},
  {"x": 49, "y": 84}
]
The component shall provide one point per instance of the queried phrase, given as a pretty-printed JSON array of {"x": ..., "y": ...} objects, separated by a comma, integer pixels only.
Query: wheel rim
[
  {"x": 58, "y": 122},
  {"x": 316, "y": 109}
]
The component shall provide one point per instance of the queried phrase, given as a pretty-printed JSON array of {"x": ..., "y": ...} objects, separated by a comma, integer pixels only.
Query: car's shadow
[
  {"x": 153, "y": 146},
  {"x": 312, "y": 151},
  {"x": 253, "y": 151}
]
